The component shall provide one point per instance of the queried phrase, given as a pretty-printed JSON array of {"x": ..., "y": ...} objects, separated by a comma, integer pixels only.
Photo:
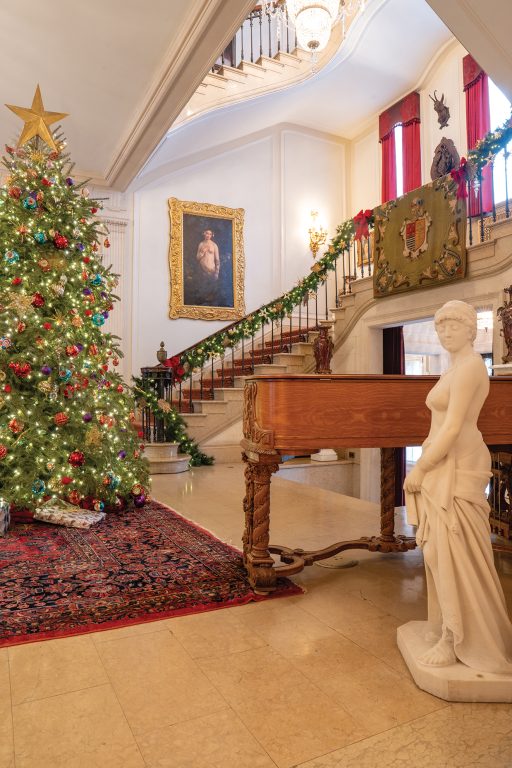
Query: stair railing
[{"x": 260, "y": 34}]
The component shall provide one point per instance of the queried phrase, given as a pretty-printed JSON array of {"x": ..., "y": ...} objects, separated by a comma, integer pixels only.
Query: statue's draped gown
[{"x": 452, "y": 514}]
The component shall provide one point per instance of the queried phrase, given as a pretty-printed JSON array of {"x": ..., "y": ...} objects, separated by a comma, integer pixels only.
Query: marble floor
[{"x": 314, "y": 681}]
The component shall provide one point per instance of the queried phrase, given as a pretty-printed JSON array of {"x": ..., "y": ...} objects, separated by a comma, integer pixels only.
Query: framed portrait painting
[{"x": 206, "y": 259}]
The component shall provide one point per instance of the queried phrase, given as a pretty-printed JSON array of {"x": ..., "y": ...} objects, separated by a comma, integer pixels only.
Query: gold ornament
[
  {"x": 2, "y": 375},
  {"x": 37, "y": 156},
  {"x": 45, "y": 387},
  {"x": 93, "y": 437},
  {"x": 77, "y": 322},
  {"x": 164, "y": 405},
  {"x": 2, "y": 403},
  {"x": 37, "y": 121},
  {"x": 21, "y": 303}
]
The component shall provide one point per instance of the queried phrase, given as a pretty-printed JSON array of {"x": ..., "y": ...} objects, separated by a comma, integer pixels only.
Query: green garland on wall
[
  {"x": 174, "y": 424},
  {"x": 493, "y": 142}
]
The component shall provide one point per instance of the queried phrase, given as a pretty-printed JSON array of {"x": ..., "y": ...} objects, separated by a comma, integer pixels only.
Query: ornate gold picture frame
[{"x": 206, "y": 259}]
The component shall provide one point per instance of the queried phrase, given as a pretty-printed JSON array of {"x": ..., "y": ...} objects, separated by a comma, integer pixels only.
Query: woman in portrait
[{"x": 445, "y": 497}]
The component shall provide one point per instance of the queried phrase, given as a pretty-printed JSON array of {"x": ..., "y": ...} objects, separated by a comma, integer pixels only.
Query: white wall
[{"x": 276, "y": 176}]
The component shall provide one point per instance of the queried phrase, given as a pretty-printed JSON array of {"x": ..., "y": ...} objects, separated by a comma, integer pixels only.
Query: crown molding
[{"x": 207, "y": 32}]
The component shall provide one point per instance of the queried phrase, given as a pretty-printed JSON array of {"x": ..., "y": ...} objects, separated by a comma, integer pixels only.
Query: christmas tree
[{"x": 65, "y": 413}]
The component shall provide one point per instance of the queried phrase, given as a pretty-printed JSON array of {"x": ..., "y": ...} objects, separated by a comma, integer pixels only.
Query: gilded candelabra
[{"x": 317, "y": 237}]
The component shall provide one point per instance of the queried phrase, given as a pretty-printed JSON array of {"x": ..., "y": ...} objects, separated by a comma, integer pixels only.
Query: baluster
[
  {"x": 180, "y": 395},
  {"x": 222, "y": 58},
  {"x": 316, "y": 307},
  {"x": 287, "y": 32},
  {"x": 201, "y": 382},
  {"x": 369, "y": 256},
  {"x": 272, "y": 341},
  {"x": 281, "y": 336},
  {"x": 242, "y": 39},
  {"x": 190, "y": 405},
  {"x": 307, "y": 319},
  {"x": 269, "y": 24},
  {"x": 291, "y": 332},
  {"x": 336, "y": 282},
  {"x": 492, "y": 191},
  {"x": 300, "y": 313},
  {"x": 506, "y": 153},
  {"x": 343, "y": 256},
  {"x": 326, "y": 301},
  {"x": 222, "y": 370},
  {"x": 252, "y": 352},
  {"x": 353, "y": 269},
  {"x": 481, "y": 204},
  {"x": 469, "y": 212},
  {"x": 263, "y": 340},
  {"x": 362, "y": 255},
  {"x": 261, "y": 31},
  {"x": 233, "y": 364},
  {"x": 278, "y": 34},
  {"x": 251, "y": 27},
  {"x": 213, "y": 381},
  {"x": 172, "y": 386},
  {"x": 243, "y": 356}
]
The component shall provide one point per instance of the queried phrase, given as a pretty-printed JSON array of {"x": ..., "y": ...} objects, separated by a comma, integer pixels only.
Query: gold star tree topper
[{"x": 37, "y": 121}]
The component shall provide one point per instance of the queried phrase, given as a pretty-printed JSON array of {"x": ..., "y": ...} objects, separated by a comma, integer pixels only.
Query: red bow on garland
[
  {"x": 361, "y": 221},
  {"x": 461, "y": 176},
  {"x": 177, "y": 369}
]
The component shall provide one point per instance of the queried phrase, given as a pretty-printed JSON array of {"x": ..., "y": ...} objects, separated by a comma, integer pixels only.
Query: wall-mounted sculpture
[
  {"x": 443, "y": 113},
  {"x": 446, "y": 159}
]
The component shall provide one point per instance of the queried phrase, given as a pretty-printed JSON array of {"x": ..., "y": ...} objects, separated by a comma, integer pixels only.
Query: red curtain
[
  {"x": 411, "y": 156},
  {"x": 388, "y": 168},
  {"x": 406, "y": 113},
  {"x": 478, "y": 123}
]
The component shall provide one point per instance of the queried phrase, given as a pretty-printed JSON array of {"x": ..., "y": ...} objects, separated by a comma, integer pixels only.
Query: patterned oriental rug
[{"x": 134, "y": 567}]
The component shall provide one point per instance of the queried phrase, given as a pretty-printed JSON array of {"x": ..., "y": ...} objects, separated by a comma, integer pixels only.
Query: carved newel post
[
  {"x": 505, "y": 315},
  {"x": 323, "y": 348},
  {"x": 463, "y": 652}
]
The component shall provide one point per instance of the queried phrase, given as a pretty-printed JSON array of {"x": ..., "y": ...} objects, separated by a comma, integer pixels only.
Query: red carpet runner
[{"x": 134, "y": 567}]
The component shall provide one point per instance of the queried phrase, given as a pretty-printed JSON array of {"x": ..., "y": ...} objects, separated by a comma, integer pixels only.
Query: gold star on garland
[{"x": 37, "y": 121}]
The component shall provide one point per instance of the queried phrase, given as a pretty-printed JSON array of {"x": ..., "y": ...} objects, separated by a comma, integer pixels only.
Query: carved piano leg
[
  {"x": 248, "y": 505},
  {"x": 387, "y": 541},
  {"x": 259, "y": 563}
]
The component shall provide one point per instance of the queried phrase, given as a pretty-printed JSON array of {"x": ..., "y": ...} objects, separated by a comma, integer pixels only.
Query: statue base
[
  {"x": 325, "y": 454},
  {"x": 456, "y": 682}
]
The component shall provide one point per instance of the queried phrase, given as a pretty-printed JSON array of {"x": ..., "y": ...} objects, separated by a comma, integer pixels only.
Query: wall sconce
[{"x": 317, "y": 237}]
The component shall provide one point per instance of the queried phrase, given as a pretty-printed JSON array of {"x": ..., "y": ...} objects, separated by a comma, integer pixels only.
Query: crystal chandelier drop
[{"x": 312, "y": 19}]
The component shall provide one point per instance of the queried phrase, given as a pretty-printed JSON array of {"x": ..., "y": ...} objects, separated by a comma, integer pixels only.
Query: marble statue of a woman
[{"x": 445, "y": 497}]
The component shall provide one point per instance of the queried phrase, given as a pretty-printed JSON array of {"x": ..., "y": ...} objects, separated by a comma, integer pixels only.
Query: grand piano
[{"x": 295, "y": 414}]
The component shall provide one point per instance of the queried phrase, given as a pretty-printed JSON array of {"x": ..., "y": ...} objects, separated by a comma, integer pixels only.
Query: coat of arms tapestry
[{"x": 420, "y": 239}]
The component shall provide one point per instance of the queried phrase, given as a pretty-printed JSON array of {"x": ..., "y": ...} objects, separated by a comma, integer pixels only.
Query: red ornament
[
  {"x": 140, "y": 433},
  {"x": 60, "y": 241},
  {"x": 88, "y": 312},
  {"x": 17, "y": 281},
  {"x": 115, "y": 361},
  {"x": 74, "y": 497},
  {"x": 66, "y": 480},
  {"x": 47, "y": 326},
  {"x": 107, "y": 384},
  {"x": 68, "y": 391},
  {"x": 76, "y": 458},
  {"x": 15, "y": 192},
  {"x": 46, "y": 182},
  {"x": 7, "y": 388},
  {"x": 3, "y": 452},
  {"x": 104, "y": 367},
  {"x": 120, "y": 388},
  {"x": 16, "y": 426},
  {"x": 86, "y": 259},
  {"x": 61, "y": 418},
  {"x": 21, "y": 370},
  {"x": 38, "y": 300},
  {"x": 93, "y": 349},
  {"x": 106, "y": 243},
  {"x": 72, "y": 350},
  {"x": 21, "y": 327},
  {"x": 94, "y": 210}
]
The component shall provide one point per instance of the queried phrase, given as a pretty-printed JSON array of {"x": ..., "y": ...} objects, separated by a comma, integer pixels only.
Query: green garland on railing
[
  {"x": 174, "y": 424},
  {"x": 215, "y": 345},
  {"x": 195, "y": 358},
  {"x": 492, "y": 143}
]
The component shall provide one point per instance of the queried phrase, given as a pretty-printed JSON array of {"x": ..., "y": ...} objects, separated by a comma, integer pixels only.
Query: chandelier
[{"x": 312, "y": 19}]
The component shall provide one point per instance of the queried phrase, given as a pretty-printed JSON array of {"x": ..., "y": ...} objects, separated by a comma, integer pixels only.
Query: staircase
[{"x": 213, "y": 410}]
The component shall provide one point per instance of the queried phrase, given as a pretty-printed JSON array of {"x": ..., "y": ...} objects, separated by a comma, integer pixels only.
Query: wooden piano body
[{"x": 293, "y": 414}]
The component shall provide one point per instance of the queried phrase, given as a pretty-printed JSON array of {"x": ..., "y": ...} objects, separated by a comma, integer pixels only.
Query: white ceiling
[
  {"x": 122, "y": 69},
  {"x": 386, "y": 53}
]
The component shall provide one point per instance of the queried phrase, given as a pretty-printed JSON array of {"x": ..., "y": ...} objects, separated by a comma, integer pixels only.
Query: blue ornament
[
  {"x": 40, "y": 237},
  {"x": 99, "y": 506},
  {"x": 38, "y": 487},
  {"x": 80, "y": 247},
  {"x": 96, "y": 280},
  {"x": 65, "y": 374},
  {"x": 30, "y": 203},
  {"x": 114, "y": 480},
  {"x": 11, "y": 257},
  {"x": 98, "y": 319}
]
